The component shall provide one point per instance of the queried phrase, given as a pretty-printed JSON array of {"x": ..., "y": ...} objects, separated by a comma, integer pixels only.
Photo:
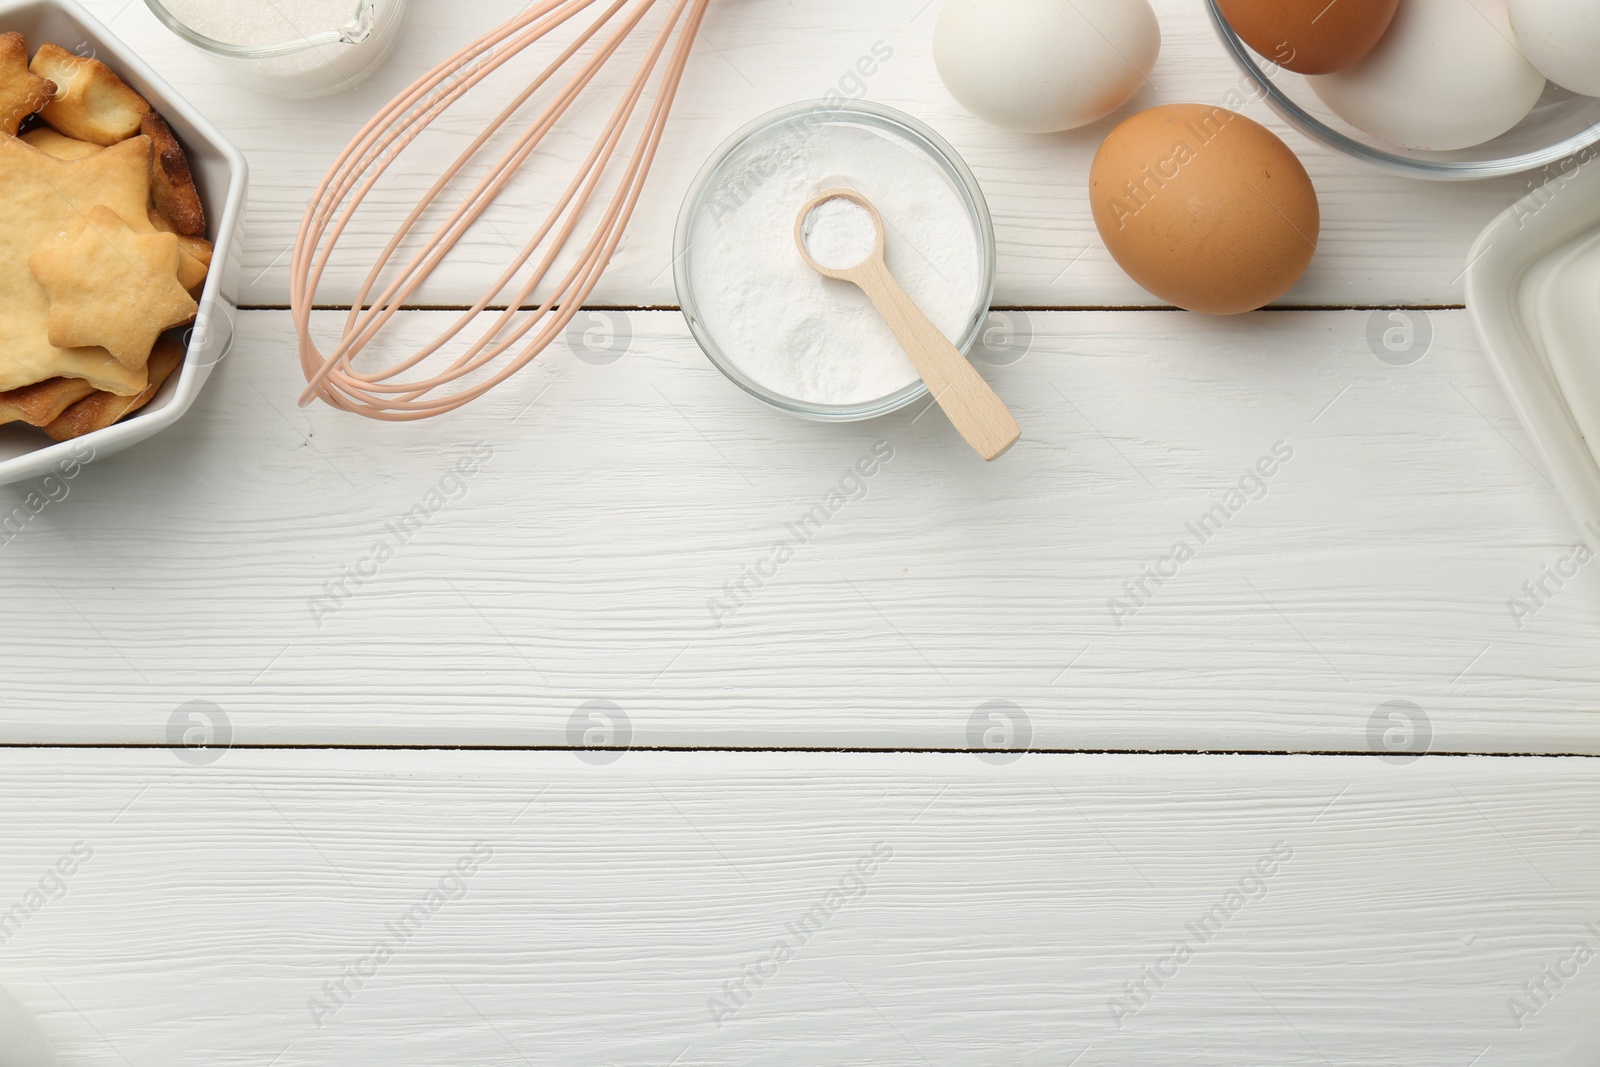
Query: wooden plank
[
  {"x": 576, "y": 538},
  {"x": 937, "y": 909},
  {"x": 1386, "y": 240}
]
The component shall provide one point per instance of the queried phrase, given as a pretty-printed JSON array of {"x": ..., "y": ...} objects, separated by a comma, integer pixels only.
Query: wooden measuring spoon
[{"x": 972, "y": 407}]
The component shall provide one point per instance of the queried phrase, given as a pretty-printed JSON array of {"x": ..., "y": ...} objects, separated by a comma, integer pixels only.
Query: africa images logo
[
  {"x": 451, "y": 886},
  {"x": 851, "y": 887}
]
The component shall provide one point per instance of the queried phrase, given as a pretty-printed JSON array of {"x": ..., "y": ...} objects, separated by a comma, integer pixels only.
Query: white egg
[
  {"x": 1447, "y": 75},
  {"x": 1562, "y": 39},
  {"x": 1040, "y": 66}
]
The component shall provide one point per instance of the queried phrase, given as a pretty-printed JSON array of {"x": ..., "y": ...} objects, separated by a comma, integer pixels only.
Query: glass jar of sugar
[
  {"x": 290, "y": 48},
  {"x": 803, "y": 343}
]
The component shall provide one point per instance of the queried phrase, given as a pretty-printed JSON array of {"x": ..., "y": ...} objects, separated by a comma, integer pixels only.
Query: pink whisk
[{"x": 489, "y": 360}]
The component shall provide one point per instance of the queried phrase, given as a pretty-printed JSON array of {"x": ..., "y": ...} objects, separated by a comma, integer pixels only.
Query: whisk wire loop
[{"x": 359, "y": 168}]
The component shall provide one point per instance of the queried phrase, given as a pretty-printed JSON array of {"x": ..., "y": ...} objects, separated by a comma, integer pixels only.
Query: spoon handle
[{"x": 973, "y": 408}]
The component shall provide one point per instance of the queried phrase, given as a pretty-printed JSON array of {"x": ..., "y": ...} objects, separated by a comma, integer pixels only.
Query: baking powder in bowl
[
  {"x": 840, "y": 234},
  {"x": 777, "y": 321}
]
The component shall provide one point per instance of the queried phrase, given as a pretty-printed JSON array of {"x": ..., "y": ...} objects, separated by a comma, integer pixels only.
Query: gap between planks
[{"x": 805, "y": 750}]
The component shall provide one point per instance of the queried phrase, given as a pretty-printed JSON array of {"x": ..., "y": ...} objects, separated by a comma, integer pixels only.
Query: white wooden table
[{"x": 801, "y": 851}]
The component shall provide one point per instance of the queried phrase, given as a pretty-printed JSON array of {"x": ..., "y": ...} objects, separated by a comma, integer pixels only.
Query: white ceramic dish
[
  {"x": 221, "y": 176},
  {"x": 1500, "y": 304},
  {"x": 22, "y": 1043}
]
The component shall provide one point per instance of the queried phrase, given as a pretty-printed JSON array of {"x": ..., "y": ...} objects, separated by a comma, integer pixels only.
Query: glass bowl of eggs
[{"x": 1442, "y": 89}]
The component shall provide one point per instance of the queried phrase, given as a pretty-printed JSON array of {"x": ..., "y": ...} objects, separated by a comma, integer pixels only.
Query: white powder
[
  {"x": 783, "y": 325},
  {"x": 254, "y": 22},
  {"x": 374, "y": 27},
  {"x": 840, "y": 234}
]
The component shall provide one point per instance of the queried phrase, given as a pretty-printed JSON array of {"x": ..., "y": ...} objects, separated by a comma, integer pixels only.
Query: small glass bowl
[
  {"x": 1560, "y": 125},
  {"x": 802, "y": 115},
  {"x": 308, "y": 65}
]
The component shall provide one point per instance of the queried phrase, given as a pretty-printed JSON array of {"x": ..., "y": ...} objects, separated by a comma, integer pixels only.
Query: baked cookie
[
  {"x": 22, "y": 93},
  {"x": 172, "y": 188},
  {"x": 90, "y": 102},
  {"x": 100, "y": 410},
  {"x": 43, "y": 402},
  {"x": 60, "y": 145},
  {"x": 194, "y": 254},
  {"x": 113, "y": 288},
  {"x": 44, "y": 201}
]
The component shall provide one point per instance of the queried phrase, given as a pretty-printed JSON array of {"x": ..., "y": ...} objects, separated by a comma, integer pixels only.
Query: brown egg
[
  {"x": 1310, "y": 36},
  {"x": 1205, "y": 208}
]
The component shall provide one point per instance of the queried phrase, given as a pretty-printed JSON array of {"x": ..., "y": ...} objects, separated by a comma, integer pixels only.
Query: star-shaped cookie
[
  {"x": 42, "y": 403},
  {"x": 99, "y": 410},
  {"x": 43, "y": 201},
  {"x": 113, "y": 288},
  {"x": 22, "y": 93}
]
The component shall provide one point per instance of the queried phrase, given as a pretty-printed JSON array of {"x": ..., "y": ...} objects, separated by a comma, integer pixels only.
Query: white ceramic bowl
[
  {"x": 1499, "y": 264},
  {"x": 220, "y": 174},
  {"x": 22, "y": 1043}
]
